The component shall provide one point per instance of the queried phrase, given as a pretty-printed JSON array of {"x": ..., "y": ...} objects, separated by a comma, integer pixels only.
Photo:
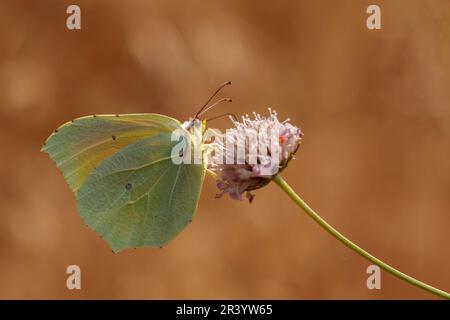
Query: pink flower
[{"x": 252, "y": 153}]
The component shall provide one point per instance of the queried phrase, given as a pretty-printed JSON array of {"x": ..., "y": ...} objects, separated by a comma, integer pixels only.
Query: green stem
[{"x": 291, "y": 193}]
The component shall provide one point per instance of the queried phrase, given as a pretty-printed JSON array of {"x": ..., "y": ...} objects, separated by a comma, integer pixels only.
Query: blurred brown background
[{"x": 375, "y": 162}]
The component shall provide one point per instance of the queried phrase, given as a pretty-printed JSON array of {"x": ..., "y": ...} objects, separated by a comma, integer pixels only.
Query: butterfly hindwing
[{"x": 138, "y": 197}]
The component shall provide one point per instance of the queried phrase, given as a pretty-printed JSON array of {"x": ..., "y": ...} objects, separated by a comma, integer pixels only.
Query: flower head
[{"x": 252, "y": 153}]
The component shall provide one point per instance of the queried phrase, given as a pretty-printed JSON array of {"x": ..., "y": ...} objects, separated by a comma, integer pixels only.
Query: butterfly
[{"x": 121, "y": 171}]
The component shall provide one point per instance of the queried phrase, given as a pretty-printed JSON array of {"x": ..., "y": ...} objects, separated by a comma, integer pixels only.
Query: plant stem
[{"x": 291, "y": 193}]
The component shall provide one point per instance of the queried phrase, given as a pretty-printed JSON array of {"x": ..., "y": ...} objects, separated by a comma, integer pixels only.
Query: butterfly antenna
[
  {"x": 232, "y": 115},
  {"x": 212, "y": 97},
  {"x": 213, "y": 105}
]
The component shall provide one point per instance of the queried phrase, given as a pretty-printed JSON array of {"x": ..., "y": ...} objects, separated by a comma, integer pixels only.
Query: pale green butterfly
[{"x": 121, "y": 170}]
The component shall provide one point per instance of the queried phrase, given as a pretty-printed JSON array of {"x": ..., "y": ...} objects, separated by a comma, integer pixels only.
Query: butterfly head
[
  {"x": 197, "y": 123},
  {"x": 194, "y": 124}
]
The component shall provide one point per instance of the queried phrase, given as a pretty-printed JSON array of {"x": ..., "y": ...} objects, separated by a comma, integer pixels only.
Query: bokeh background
[{"x": 375, "y": 162}]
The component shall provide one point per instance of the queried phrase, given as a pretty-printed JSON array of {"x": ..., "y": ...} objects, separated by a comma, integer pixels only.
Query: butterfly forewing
[{"x": 77, "y": 147}]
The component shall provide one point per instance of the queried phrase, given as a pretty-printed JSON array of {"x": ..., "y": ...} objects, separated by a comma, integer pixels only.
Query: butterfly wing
[
  {"x": 77, "y": 147},
  {"x": 132, "y": 194}
]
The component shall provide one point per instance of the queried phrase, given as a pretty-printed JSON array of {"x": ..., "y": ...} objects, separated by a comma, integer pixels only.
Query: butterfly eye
[{"x": 128, "y": 186}]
